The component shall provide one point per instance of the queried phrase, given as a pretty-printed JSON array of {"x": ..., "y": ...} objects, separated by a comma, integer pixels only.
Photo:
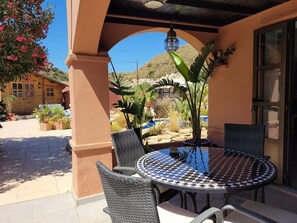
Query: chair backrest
[
  {"x": 245, "y": 137},
  {"x": 127, "y": 146},
  {"x": 129, "y": 199}
]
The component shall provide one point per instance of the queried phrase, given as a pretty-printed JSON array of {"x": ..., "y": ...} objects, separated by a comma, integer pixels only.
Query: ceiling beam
[
  {"x": 127, "y": 21},
  {"x": 223, "y": 7},
  {"x": 161, "y": 16}
]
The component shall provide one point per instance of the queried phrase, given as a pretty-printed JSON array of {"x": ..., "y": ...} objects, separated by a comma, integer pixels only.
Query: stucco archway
[{"x": 89, "y": 40}]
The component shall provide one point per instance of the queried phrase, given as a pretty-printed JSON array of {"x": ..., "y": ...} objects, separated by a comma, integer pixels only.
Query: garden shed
[{"x": 31, "y": 91}]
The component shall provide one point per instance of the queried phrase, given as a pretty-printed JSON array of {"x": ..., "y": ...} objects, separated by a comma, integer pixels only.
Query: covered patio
[{"x": 94, "y": 27}]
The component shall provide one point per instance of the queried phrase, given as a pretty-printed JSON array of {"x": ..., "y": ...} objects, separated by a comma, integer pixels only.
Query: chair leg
[
  {"x": 227, "y": 197},
  {"x": 263, "y": 194},
  {"x": 193, "y": 197},
  {"x": 157, "y": 194},
  {"x": 255, "y": 195},
  {"x": 181, "y": 197}
]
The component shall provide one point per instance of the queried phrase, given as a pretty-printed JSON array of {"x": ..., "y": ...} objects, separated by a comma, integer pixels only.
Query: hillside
[
  {"x": 56, "y": 74},
  {"x": 162, "y": 64}
]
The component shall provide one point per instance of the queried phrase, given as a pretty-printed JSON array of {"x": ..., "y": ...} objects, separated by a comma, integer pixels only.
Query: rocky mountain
[{"x": 162, "y": 65}]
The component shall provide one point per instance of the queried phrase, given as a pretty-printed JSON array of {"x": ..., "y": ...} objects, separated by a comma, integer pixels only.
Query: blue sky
[{"x": 141, "y": 47}]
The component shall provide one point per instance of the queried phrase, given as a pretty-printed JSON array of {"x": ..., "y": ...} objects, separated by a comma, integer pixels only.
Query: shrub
[
  {"x": 155, "y": 130},
  {"x": 115, "y": 127},
  {"x": 162, "y": 106},
  {"x": 119, "y": 120},
  {"x": 42, "y": 114},
  {"x": 174, "y": 121},
  {"x": 66, "y": 122}
]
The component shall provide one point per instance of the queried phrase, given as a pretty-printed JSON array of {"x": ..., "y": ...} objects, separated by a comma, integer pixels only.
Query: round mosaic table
[{"x": 209, "y": 169}]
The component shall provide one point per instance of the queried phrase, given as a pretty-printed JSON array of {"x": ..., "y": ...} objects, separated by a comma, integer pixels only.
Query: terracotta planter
[
  {"x": 14, "y": 117},
  {"x": 59, "y": 125},
  {"x": 45, "y": 126}
]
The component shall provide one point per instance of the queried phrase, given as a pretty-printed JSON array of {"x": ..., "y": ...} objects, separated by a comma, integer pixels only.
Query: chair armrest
[
  {"x": 207, "y": 214},
  {"x": 121, "y": 168},
  {"x": 248, "y": 213},
  {"x": 106, "y": 210}
]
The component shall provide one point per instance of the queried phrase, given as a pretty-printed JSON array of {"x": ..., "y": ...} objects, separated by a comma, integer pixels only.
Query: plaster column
[{"x": 91, "y": 141}]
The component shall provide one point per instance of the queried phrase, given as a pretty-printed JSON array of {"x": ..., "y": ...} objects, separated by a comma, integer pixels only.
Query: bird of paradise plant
[{"x": 196, "y": 79}]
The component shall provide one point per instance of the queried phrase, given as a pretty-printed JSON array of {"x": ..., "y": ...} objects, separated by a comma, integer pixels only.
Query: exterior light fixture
[
  {"x": 171, "y": 42},
  {"x": 39, "y": 85},
  {"x": 154, "y": 4}
]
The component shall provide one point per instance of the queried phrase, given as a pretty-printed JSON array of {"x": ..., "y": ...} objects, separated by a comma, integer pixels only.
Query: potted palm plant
[
  {"x": 44, "y": 118},
  {"x": 196, "y": 79}
]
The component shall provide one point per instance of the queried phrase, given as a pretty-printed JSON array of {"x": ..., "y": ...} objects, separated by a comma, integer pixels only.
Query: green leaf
[
  {"x": 198, "y": 66},
  {"x": 181, "y": 66},
  {"x": 121, "y": 92}
]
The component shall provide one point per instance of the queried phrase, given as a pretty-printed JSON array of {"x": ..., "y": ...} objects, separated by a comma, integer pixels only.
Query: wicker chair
[
  {"x": 128, "y": 149},
  {"x": 132, "y": 199},
  {"x": 246, "y": 138}
]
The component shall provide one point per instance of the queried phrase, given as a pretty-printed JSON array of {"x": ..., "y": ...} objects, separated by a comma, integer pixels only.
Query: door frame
[
  {"x": 291, "y": 70},
  {"x": 256, "y": 103}
]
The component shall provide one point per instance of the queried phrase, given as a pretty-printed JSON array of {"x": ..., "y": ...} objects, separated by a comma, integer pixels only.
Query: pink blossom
[
  {"x": 10, "y": 4},
  {"x": 1, "y": 44},
  {"x": 20, "y": 38},
  {"x": 42, "y": 55},
  {"x": 13, "y": 58},
  {"x": 1, "y": 28},
  {"x": 24, "y": 49},
  {"x": 34, "y": 54}
]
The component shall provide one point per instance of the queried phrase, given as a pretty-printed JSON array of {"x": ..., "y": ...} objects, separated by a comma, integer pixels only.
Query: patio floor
[
  {"x": 62, "y": 208},
  {"x": 33, "y": 163}
]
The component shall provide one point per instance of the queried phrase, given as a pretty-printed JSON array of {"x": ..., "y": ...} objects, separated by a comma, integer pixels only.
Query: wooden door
[{"x": 29, "y": 97}]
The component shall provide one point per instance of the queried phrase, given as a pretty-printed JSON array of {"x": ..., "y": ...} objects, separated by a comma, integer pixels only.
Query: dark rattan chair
[
  {"x": 128, "y": 149},
  {"x": 246, "y": 138},
  {"x": 132, "y": 199}
]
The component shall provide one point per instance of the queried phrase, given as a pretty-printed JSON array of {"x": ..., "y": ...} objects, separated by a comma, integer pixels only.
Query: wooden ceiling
[{"x": 198, "y": 15}]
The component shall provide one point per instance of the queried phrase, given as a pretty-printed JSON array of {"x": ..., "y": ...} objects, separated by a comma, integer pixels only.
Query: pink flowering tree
[{"x": 23, "y": 25}]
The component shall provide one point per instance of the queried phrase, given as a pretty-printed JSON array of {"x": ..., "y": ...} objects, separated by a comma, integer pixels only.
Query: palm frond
[
  {"x": 127, "y": 107},
  {"x": 122, "y": 92},
  {"x": 197, "y": 66},
  {"x": 167, "y": 82}
]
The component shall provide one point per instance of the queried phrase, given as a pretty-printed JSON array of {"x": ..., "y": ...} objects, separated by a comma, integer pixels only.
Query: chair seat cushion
[
  {"x": 173, "y": 214},
  {"x": 273, "y": 213}
]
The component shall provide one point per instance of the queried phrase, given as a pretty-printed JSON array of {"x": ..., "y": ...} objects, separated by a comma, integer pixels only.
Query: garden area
[{"x": 181, "y": 116}]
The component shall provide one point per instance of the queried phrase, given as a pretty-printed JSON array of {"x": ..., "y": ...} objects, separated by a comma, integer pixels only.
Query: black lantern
[
  {"x": 171, "y": 42},
  {"x": 39, "y": 85},
  {"x": 154, "y": 4}
]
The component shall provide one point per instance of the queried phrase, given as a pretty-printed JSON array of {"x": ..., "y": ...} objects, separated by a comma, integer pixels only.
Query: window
[
  {"x": 49, "y": 92},
  {"x": 17, "y": 89},
  {"x": 29, "y": 90}
]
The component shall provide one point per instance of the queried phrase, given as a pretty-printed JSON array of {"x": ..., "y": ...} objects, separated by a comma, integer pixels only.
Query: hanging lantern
[{"x": 171, "y": 42}]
